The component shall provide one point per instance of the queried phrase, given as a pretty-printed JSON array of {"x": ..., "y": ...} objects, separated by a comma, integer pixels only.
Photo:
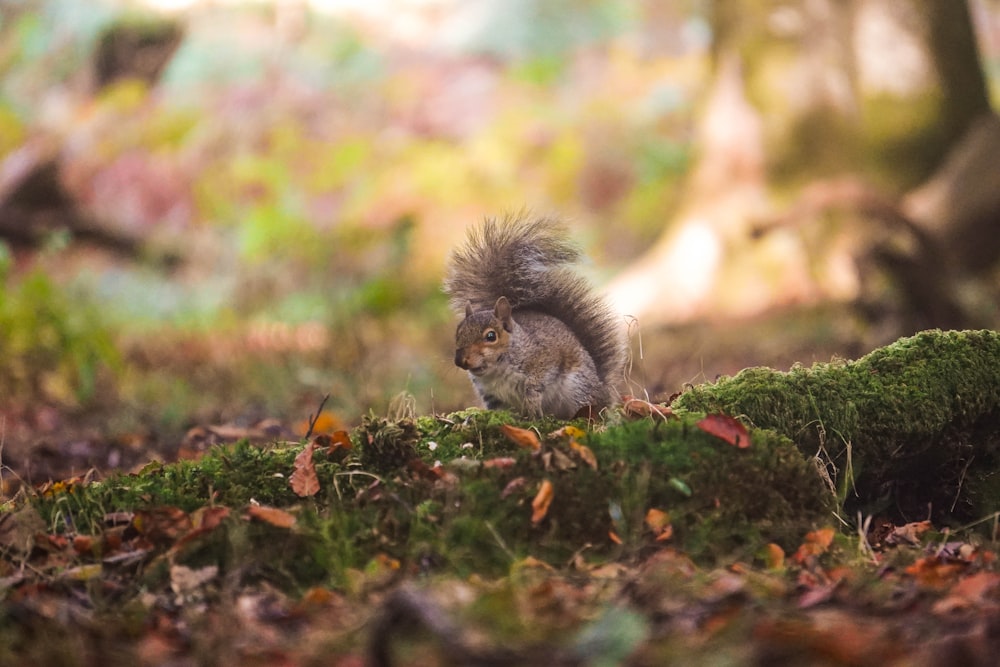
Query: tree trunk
[{"x": 809, "y": 95}]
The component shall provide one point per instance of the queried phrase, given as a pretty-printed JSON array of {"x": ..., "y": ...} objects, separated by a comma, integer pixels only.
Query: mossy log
[{"x": 910, "y": 428}]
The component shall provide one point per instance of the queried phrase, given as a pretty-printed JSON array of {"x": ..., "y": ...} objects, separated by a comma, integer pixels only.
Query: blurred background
[{"x": 213, "y": 213}]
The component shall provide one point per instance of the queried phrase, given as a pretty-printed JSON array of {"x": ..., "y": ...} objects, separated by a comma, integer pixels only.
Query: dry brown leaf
[
  {"x": 726, "y": 428},
  {"x": 542, "y": 501},
  {"x": 555, "y": 459},
  {"x": 271, "y": 515},
  {"x": 522, "y": 437},
  {"x": 513, "y": 486},
  {"x": 908, "y": 534},
  {"x": 207, "y": 518},
  {"x": 162, "y": 524},
  {"x": 304, "y": 481},
  {"x": 636, "y": 407},
  {"x": 584, "y": 452}
]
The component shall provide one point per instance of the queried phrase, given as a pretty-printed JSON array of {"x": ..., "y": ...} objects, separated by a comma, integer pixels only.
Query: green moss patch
[
  {"x": 453, "y": 494},
  {"x": 913, "y": 424}
]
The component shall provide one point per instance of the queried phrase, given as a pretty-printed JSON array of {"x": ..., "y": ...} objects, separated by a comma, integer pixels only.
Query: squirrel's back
[{"x": 530, "y": 262}]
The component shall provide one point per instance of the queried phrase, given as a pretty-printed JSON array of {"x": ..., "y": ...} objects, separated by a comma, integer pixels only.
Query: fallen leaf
[
  {"x": 271, "y": 515},
  {"x": 970, "y": 592},
  {"x": 208, "y": 518},
  {"x": 584, "y": 452},
  {"x": 935, "y": 572},
  {"x": 568, "y": 431},
  {"x": 816, "y": 542},
  {"x": 187, "y": 583},
  {"x": 339, "y": 441},
  {"x": 542, "y": 501},
  {"x": 726, "y": 428},
  {"x": 513, "y": 486},
  {"x": 658, "y": 521},
  {"x": 204, "y": 520},
  {"x": 666, "y": 534},
  {"x": 162, "y": 525},
  {"x": 680, "y": 486},
  {"x": 636, "y": 407},
  {"x": 522, "y": 437},
  {"x": 819, "y": 594},
  {"x": 908, "y": 534},
  {"x": 613, "y": 536},
  {"x": 83, "y": 572},
  {"x": 326, "y": 422},
  {"x": 304, "y": 481},
  {"x": 555, "y": 459},
  {"x": 774, "y": 556},
  {"x": 500, "y": 462},
  {"x": 83, "y": 544}
]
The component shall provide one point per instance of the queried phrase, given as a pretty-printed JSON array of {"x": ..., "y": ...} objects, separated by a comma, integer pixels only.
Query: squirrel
[{"x": 535, "y": 337}]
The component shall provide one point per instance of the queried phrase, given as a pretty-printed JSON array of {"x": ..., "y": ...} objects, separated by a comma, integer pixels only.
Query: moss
[
  {"x": 474, "y": 513},
  {"x": 913, "y": 423},
  {"x": 232, "y": 476}
]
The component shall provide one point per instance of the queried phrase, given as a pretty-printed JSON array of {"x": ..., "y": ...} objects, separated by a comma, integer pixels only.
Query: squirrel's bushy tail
[{"x": 530, "y": 260}]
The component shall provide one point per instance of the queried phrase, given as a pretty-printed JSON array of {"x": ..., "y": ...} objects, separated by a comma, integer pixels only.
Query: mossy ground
[
  {"x": 453, "y": 494},
  {"x": 910, "y": 425}
]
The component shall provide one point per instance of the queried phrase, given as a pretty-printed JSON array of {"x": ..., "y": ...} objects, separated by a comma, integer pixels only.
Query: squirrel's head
[{"x": 483, "y": 337}]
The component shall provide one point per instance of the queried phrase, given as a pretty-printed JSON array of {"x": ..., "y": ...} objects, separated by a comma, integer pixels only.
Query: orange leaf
[
  {"x": 271, "y": 515},
  {"x": 584, "y": 452},
  {"x": 657, "y": 520},
  {"x": 816, "y": 542},
  {"x": 614, "y": 537},
  {"x": 522, "y": 437},
  {"x": 540, "y": 505},
  {"x": 326, "y": 422},
  {"x": 665, "y": 534},
  {"x": 774, "y": 556},
  {"x": 340, "y": 440},
  {"x": 304, "y": 481},
  {"x": 726, "y": 428}
]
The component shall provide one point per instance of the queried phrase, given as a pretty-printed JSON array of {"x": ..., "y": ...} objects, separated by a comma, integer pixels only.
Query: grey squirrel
[{"x": 535, "y": 337}]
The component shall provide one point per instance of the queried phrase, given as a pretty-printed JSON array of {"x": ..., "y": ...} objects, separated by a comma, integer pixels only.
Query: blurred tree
[{"x": 821, "y": 114}]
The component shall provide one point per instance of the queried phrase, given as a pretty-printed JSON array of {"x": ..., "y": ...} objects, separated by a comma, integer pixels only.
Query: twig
[{"x": 313, "y": 420}]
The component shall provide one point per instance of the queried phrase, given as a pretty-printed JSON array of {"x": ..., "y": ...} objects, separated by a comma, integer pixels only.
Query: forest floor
[{"x": 347, "y": 548}]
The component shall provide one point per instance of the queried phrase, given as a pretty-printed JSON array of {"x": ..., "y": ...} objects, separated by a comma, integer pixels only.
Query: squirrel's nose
[{"x": 460, "y": 360}]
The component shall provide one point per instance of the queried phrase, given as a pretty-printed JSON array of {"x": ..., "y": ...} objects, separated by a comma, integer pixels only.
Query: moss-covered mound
[
  {"x": 913, "y": 424},
  {"x": 457, "y": 494}
]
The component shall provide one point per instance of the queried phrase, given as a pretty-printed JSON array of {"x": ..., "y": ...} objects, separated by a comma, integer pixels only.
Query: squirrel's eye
[{"x": 490, "y": 336}]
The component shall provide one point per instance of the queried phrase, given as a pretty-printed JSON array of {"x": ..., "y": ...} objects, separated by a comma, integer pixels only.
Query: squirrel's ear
[
  {"x": 468, "y": 309},
  {"x": 502, "y": 311}
]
